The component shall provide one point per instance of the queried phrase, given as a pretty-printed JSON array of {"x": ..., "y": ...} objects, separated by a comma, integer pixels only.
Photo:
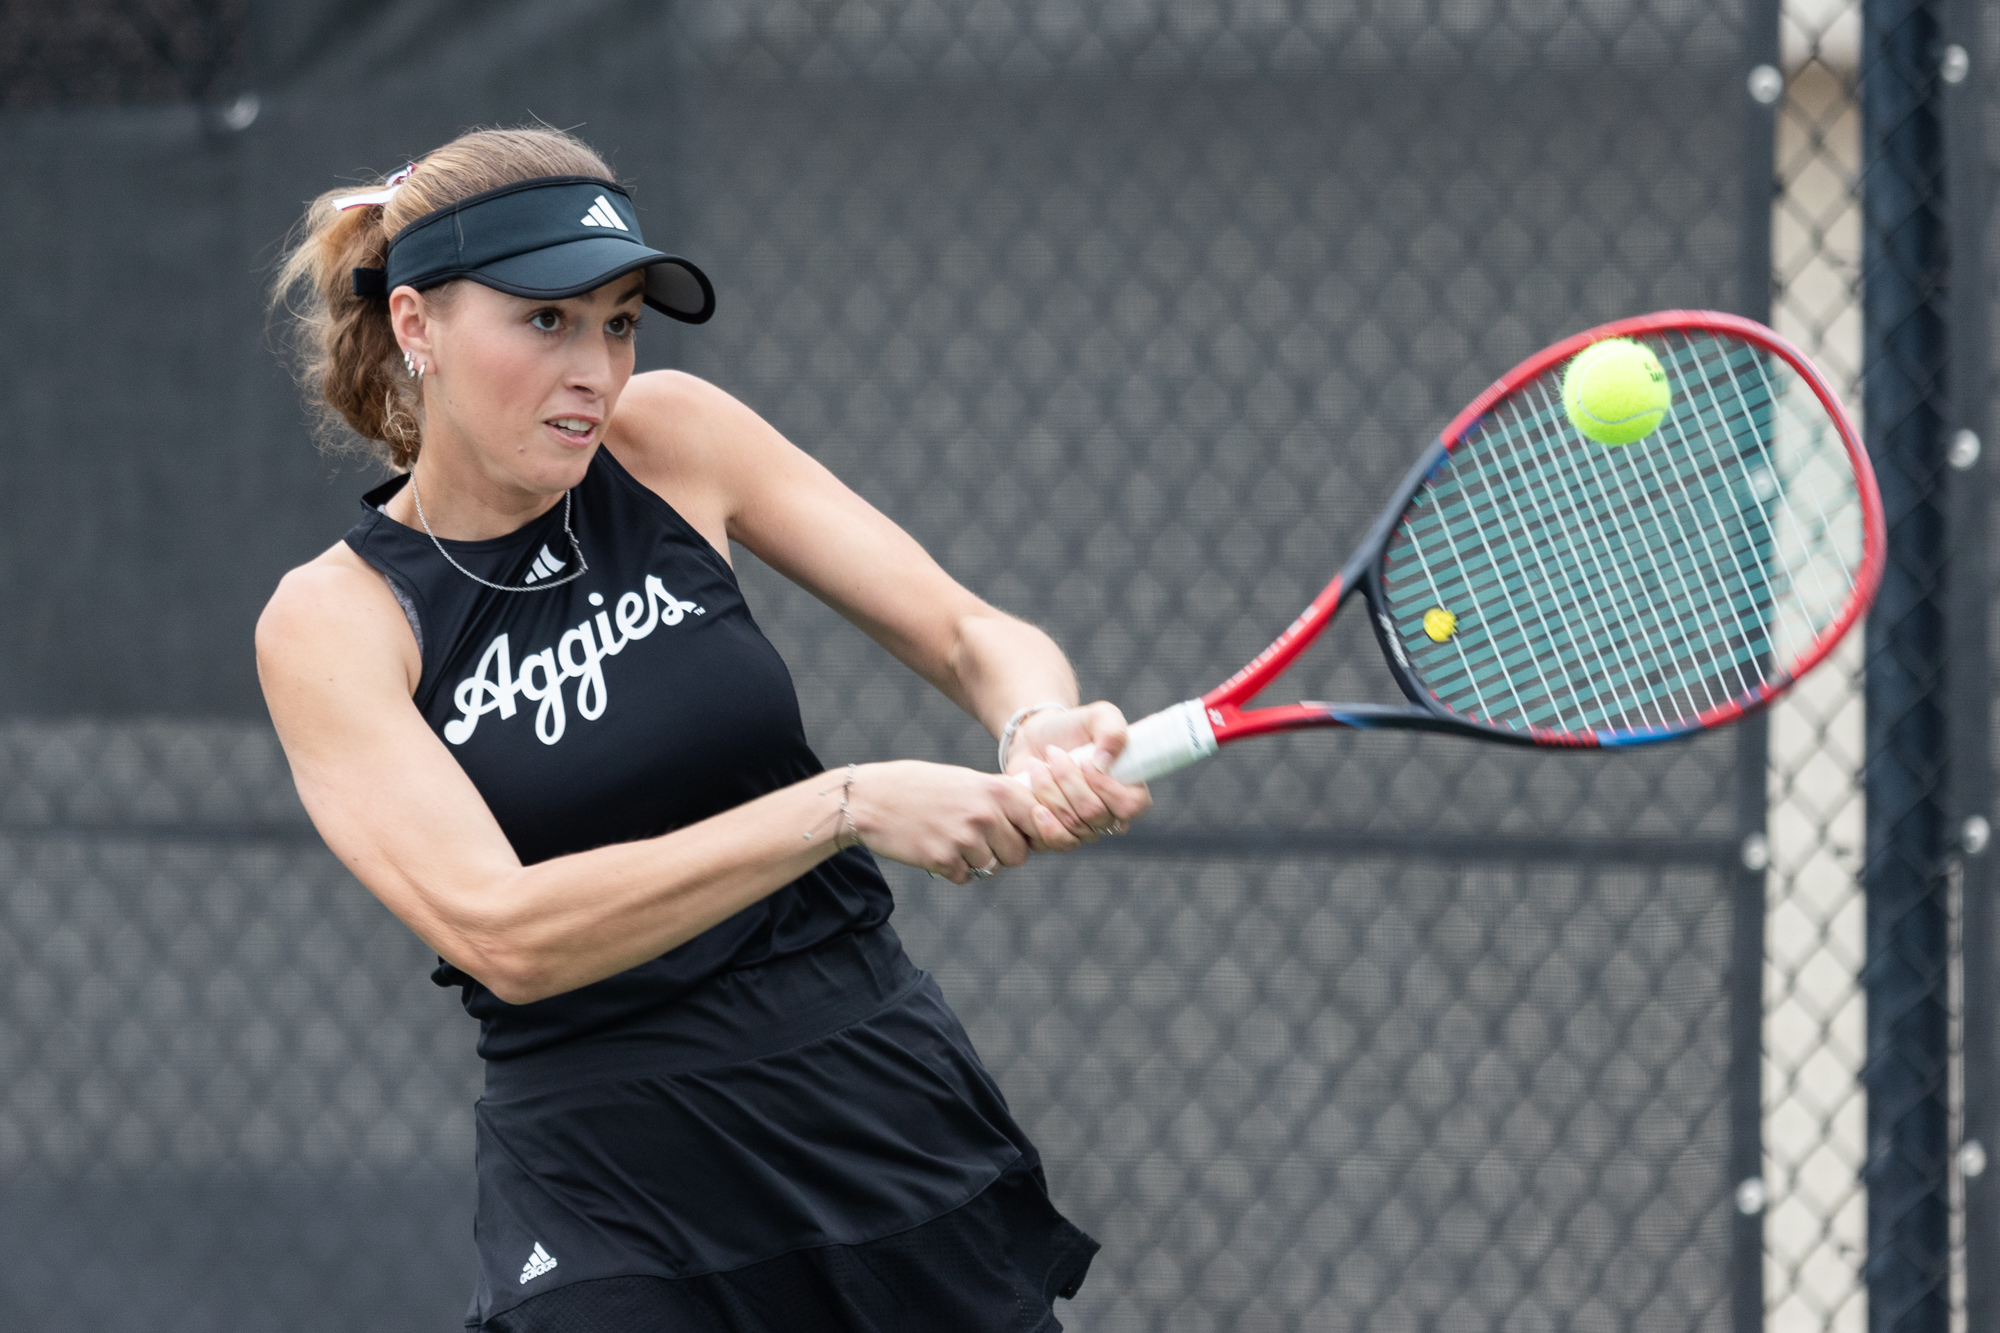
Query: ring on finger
[{"x": 986, "y": 871}]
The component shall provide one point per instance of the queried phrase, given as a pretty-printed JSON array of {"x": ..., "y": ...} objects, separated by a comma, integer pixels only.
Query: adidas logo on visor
[{"x": 601, "y": 214}]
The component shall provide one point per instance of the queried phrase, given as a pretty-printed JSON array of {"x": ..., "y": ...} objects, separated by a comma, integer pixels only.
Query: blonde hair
[{"x": 344, "y": 352}]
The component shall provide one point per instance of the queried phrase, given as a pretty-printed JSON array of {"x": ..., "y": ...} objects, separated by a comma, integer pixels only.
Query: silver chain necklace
[{"x": 582, "y": 565}]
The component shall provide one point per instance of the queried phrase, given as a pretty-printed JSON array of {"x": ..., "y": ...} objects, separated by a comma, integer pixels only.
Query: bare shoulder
[
  {"x": 669, "y": 418},
  {"x": 695, "y": 445},
  {"x": 670, "y": 390},
  {"x": 669, "y": 398},
  {"x": 333, "y": 616}
]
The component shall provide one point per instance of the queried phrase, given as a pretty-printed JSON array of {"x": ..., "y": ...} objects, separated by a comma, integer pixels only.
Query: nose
[
  {"x": 593, "y": 365},
  {"x": 589, "y": 368}
]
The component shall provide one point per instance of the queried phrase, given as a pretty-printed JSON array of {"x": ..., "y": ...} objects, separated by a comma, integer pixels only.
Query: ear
[{"x": 410, "y": 321}]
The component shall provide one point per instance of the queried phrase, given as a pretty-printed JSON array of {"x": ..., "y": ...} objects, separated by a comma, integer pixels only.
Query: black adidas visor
[{"x": 546, "y": 238}]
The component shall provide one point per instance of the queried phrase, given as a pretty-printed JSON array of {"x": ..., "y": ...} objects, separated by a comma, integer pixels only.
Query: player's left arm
[{"x": 795, "y": 515}]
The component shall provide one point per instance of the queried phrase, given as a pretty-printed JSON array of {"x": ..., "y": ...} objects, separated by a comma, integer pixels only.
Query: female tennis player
[{"x": 525, "y": 703}]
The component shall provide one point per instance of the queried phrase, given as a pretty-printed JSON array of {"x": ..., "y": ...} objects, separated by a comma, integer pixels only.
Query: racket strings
[
  {"x": 1826, "y": 548},
  {"x": 1620, "y": 587},
  {"x": 1654, "y": 606},
  {"x": 1658, "y": 514},
  {"x": 1573, "y": 543},
  {"x": 1667, "y": 603},
  {"x": 1631, "y": 588},
  {"x": 1693, "y": 608}
]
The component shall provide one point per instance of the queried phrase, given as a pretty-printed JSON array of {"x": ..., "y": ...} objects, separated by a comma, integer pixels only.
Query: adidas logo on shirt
[
  {"x": 601, "y": 214},
  {"x": 540, "y": 1262},
  {"x": 545, "y": 565}
]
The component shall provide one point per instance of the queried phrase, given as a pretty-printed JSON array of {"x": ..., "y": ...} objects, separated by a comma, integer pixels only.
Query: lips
[{"x": 575, "y": 430}]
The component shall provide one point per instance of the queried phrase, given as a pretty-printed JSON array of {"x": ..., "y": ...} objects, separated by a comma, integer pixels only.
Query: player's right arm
[{"x": 338, "y": 665}]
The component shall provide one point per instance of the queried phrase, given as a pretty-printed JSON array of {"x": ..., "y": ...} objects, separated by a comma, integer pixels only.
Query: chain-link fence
[
  {"x": 1068, "y": 334},
  {"x": 1814, "y": 1043},
  {"x": 1832, "y": 1260},
  {"x": 1131, "y": 314}
]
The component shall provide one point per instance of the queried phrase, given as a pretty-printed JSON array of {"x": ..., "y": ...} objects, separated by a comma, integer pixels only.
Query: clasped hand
[{"x": 956, "y": 822}]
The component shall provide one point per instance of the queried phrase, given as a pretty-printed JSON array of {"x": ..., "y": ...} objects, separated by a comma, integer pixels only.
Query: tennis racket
[{"x": 1531, "y": 586}]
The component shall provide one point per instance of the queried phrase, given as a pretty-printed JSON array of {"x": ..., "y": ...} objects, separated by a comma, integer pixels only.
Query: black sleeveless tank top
[{"x": 626, "y": 703}]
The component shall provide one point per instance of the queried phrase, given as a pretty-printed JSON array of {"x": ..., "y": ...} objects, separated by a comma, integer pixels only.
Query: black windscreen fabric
[{"x": 1131, "y": 315}]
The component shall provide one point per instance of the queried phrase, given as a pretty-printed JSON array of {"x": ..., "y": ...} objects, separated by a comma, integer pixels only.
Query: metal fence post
[
  {"x": 1967, "y": 97},
  {"x": 1905, "y": 348},
  {"x": 1753, "y": 745}
]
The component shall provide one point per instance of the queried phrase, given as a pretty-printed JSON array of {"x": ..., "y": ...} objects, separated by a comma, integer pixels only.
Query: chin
[{"x": 549, "y": 471}]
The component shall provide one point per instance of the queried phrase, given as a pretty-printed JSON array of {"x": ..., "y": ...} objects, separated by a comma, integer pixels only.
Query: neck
[{"x": 463, "y": 502}]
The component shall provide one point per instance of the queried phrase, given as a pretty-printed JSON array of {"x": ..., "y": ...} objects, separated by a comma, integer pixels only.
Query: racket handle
[
  {"x": 1168, "y": 740},
  {"x": 1155, "y": 746}
]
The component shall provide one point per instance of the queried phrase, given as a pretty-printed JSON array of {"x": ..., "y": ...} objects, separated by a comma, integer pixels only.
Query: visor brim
[{"x": 674, "y": 287}]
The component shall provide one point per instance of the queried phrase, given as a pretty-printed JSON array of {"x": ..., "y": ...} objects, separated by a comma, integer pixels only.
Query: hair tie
[{"x": 375, "y": 198}]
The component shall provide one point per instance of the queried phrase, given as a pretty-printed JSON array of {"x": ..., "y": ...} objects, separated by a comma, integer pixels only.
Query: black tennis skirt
[{"x": 807, "y": 1145}]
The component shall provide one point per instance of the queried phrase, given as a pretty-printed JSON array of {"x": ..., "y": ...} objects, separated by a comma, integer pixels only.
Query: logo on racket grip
[{"x": 579, "y": 655}]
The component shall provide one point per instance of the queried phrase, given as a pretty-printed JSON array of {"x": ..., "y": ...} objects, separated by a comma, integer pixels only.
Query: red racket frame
[{"x": 1225, "y": 703}]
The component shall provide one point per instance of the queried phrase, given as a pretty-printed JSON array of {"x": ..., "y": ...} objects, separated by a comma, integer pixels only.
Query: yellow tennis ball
[
  {"x": 1615, "y": 391},
  {"x": 1440, "y": 624}
]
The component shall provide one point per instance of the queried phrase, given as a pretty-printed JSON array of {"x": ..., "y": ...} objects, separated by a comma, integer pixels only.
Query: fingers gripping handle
[
  {"x": 1155, "y": 746},
  {"x": 1170, "y": 739}
]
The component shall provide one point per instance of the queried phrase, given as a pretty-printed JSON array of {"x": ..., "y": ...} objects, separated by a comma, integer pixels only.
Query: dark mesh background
[
  {"x": 1141, "y": 363},
  {"x": 1131, "y": 314},
  {"x": 117, "y": 52}
]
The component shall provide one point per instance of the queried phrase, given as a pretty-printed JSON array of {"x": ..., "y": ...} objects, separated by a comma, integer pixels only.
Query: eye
[
  {"x": 545, "y": 321},
  {"x": 622, "y": 326}
]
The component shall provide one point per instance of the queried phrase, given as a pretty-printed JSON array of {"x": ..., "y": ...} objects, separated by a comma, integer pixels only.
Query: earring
[{"x": 410, "y": 365}]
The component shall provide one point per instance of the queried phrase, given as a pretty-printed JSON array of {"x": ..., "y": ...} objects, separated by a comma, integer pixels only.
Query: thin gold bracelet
[{"x": 843, "y": 817}]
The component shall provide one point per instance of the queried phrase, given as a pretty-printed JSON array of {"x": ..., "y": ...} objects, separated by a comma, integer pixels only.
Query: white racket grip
[
  {"x": 1155, "y": 746},
  {"x": 1170, "y": 739}
]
